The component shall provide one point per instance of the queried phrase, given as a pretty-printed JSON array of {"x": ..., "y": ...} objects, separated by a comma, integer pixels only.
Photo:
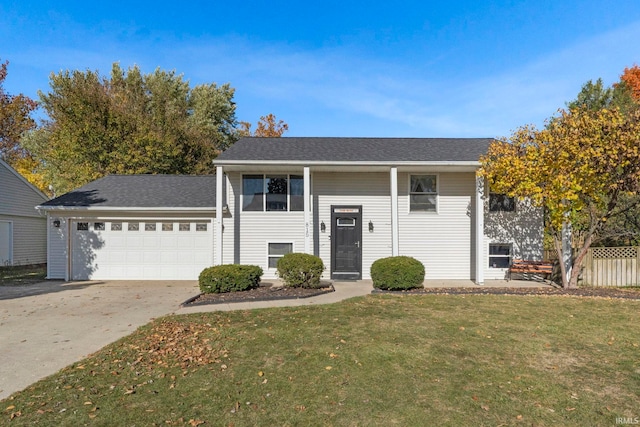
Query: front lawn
[{"x": 378, "y": 360}]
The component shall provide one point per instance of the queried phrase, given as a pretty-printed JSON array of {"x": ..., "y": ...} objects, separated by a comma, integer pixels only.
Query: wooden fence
[{"x": 609, "y": 266}]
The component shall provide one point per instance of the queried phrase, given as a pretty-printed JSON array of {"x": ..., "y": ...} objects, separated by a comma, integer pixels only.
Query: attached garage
[
  {"x": 132, "y": 227},
  {"x": 140, "y": 250}
]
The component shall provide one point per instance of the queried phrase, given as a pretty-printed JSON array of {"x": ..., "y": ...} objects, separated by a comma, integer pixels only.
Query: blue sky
[{"x": 341, "y": 68}]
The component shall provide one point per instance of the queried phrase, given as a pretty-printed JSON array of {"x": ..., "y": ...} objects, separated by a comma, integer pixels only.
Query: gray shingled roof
[
  {"x": 356, "y": 150},
  {"x": 142, "y": 191}
]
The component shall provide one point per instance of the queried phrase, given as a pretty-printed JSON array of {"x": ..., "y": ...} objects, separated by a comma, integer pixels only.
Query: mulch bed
[
  {"x": 266, "y": 292},
  {"x": 627, "y": 293}
]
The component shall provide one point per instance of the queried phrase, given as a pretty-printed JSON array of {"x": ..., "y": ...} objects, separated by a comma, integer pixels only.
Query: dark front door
[{"x": 346, "y": 242}]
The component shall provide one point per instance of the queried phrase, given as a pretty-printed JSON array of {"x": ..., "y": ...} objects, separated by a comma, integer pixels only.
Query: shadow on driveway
[{"x": 40, "y": 288}]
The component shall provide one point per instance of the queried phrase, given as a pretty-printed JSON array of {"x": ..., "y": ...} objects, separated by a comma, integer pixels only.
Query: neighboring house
[
  {"x": 348, "y": 200},
  {"x": 23, "y": 230}
]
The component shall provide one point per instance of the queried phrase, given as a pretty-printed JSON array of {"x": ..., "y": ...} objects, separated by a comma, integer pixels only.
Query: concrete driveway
[{"x": 47, "y": 326}]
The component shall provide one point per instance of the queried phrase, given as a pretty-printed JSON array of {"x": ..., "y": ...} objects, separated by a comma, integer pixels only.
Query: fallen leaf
[
  {"x": 485, "y": 407},
  {"x": 195, "y": 422},
  {"x": 10, "y": 407},
  {"x": 519, "y": 417},
  {"x": 260, "y": 373},
  {"x": 328, "y": 368}
]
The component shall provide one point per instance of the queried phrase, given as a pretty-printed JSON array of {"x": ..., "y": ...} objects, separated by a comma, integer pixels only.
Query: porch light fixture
[
  {"x": 56, "y": 223},
  {"x": 370, "y": 226},
  {"x": 323, "y": 227}
]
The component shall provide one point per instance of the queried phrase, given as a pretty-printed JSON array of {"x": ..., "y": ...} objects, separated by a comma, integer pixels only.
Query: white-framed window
[
  {"x": 167, "y": 226},
  {"x": 423, "y": 193},
  {"x": 500, "y": 255},
  {"x": 149, "y": 226},
  {"x": 116, "y": 226},
  {"x": 276, "y": 250},
  {"x": 201, "y": 226},
  {"x": 133, "y": 226},
  {"x": 98, "y": 226},
  {"x": 184, "y": 226},
  {"x": 272, "y": 193},
  {"x": 82, "y": 226},
  {"x": 501, "y": 203}
]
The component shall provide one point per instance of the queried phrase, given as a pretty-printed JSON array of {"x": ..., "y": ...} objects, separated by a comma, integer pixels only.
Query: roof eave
[{"x": 125, "y": 209}]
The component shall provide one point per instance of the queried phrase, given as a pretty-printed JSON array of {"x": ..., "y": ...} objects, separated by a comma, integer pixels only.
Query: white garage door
[{"x": 140, "y": 250}]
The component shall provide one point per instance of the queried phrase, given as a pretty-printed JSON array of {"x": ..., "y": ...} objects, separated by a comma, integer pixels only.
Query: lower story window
[
  {"x": 499, "y": 255},
  {"x": 277, "y": 251}
]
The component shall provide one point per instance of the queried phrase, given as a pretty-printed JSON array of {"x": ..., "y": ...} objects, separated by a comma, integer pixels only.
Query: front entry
[{"x": 346, "y": 242}]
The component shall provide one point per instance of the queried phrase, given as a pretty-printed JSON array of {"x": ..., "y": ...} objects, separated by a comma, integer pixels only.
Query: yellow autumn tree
[{"x": 578, "y": 169}]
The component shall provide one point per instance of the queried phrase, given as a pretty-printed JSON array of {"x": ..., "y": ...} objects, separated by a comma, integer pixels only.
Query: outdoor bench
[{"x": 534, "y": 267}]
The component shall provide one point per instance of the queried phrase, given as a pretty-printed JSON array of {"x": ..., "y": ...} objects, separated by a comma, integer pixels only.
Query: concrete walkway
[{"x": 47, "y": 326}]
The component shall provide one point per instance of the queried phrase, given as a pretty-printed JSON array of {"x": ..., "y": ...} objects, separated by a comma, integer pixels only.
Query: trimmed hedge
[
  {"x": 300, "y": 270},
  {"x": 229, "y": 278},
  {"x": 397, "y": 273}
]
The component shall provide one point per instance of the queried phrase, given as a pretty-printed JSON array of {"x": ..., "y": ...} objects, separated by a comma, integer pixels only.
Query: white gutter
[
  {"x": 344, "y": 163},
  {"x": 125, "y": 209}
]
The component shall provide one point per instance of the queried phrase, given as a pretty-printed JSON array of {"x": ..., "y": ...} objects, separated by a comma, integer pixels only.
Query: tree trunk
[
  {"x": 577, "y": 263},
  {"x": 563, "y": 271}
]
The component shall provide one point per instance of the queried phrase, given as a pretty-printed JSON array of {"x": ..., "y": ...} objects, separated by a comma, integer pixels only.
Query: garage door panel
[{"x": 139, "y": 254}]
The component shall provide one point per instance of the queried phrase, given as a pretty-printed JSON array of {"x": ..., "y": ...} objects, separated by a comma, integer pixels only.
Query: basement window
[
  {"x": 499, "y": 255},
  {"x": 277, "y": 250}
]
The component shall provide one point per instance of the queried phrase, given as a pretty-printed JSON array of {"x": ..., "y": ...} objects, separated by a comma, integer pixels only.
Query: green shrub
[
  {"x": 397, "y": 273},
  {"x": 229, "y": 278},
  {"x": 300, "y": 270}
]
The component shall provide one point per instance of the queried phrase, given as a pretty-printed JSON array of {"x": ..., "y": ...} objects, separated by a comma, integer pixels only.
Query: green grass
[
  {"x": 378, "y": 360},
  {"x": 22, "y": 274}
]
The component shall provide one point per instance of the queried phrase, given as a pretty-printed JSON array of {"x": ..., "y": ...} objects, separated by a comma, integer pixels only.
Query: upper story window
[
  {"x": 272, "y": 193},
  {"x": 501, "y": 203},
  {"x": 423, "y": 193}
]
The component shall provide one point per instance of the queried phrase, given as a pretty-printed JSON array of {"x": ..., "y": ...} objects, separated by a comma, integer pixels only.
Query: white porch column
[
  {"x": 307, "y": 211},
  {"x": 479, "y": 249},
  {"x": 219, "y": 214},
  {"x": 395, "y": 241}
]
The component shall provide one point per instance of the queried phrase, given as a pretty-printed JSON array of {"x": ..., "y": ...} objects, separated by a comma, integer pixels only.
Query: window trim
[
  {"x": 269, "y": 242},
  {"x": 509, "y": 257},
  {"x": 515, "y": 204},
  {"x": 264, "y": 191},
  {"x": 437, "y": 194}
]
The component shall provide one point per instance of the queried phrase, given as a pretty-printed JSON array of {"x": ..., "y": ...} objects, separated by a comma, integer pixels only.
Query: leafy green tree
[
  {"x": 595, "y": 96},
  {"x": 129, "y": 123}
]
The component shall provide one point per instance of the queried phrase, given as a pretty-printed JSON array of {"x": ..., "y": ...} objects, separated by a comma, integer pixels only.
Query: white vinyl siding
[
  {"x": 442, "y": 241},
  {"x": 18, "y": 200},
  {"x": 256, "y": 229},
  {"x": 522, "y": 229},
  {"x": 57, "y": 247},
  {"x": 372, "y": 191}
]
